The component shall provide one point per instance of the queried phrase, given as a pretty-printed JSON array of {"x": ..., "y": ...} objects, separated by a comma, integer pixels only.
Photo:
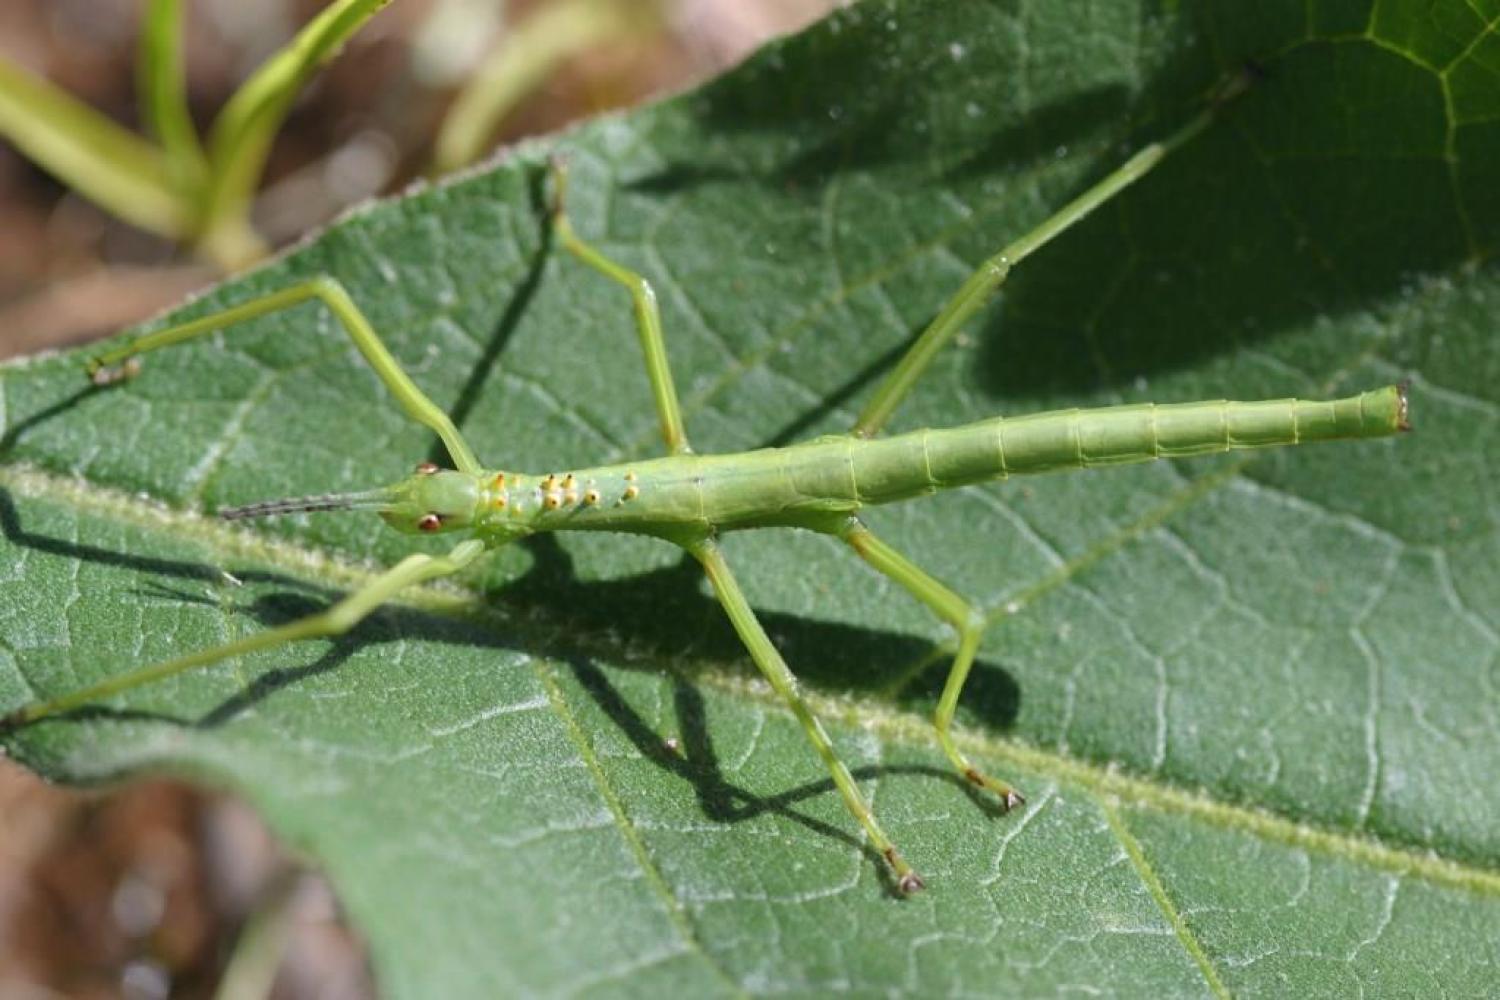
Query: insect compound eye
[
  {"x": 426, "y": 468},
  {"x": 429, "y": 522}
]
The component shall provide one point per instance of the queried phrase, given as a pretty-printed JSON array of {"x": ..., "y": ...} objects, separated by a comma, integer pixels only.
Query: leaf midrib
[
  {"x": 675, "y": 912},
  {"x": 1164, "y": 902},
  {"x": 1104, "y": 782}
]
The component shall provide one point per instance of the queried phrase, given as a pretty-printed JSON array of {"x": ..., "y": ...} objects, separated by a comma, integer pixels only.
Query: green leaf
[{"x": 1252, "y": 700}]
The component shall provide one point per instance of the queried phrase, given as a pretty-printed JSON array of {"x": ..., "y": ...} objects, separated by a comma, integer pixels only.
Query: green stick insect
[{"x": 690, "y": 500}]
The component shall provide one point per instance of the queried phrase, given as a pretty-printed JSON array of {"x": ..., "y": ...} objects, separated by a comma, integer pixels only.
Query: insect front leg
[
  {"x": 766, "y": 657},
  {"x": 121, "y": 363},
  {"x": 647, "y": 315},
  {"x": 336, "y": 620},
  {"x": 958, "y": 612}
]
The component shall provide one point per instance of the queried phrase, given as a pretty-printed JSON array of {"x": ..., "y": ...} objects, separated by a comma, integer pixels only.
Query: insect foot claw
[
  {"x": 1011, "y": 798},
  {"x": 102, "y": 375},
  {"x": 907, "y": 881},
  {"x": 557, "y": 169}
]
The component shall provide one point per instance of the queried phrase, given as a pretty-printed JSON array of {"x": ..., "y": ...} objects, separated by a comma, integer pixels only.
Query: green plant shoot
[
  {"x": 176, "y": 186},
  {"x": 690, "y": 500}
]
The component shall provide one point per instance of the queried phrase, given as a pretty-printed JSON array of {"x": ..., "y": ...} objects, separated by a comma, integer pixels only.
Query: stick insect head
[{"x": 429, "y": 501}]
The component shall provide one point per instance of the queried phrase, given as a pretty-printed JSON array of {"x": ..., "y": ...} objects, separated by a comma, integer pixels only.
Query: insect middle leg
[
  {"x": 336, "y": 620},
  {"x": 647, "y": 315},
  {"x": 958, "y": 612},
  {"x": 766, "y": 657},
  {"x": 119, "y": 364}
]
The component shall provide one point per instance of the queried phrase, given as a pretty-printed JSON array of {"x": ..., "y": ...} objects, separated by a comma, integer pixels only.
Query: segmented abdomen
[
  {"x": 923, "y": 461},
  {"x": 816, "y": 483}
]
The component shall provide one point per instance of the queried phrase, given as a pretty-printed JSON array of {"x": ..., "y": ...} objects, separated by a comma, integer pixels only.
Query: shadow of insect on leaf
[
  {"x": 279, "y": 607},
  {"x": 14, "y": 432},
  {"x": 600, "y": 618},
  {"x": 665, "y": 615},
  {"x": 516, "y": 307},
  {"x": 694, "y": 760},
  {"x": 290, "y": 601},
  {"x": 16, "y": 534}
]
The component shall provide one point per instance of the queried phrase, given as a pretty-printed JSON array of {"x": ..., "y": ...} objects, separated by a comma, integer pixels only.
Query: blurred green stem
[
  {"x": 112, "y": 167},
  {"x": 524, "y": 59},
  {"x": 161, "y": 86},
  {"x": 240, "y": 140},
  {"x": 262, "y": 943},
  {"x": 174, "y": 189}
]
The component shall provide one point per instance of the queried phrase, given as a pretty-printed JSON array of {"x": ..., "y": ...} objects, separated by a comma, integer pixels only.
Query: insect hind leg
[
  {"x": 991, "y": 274},
  {"x": 766, "y": 657},
  {"x": 970, "y": 625}
]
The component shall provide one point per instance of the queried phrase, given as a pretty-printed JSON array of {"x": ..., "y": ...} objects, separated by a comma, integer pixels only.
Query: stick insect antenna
[{"x": 366, "y": 500}]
